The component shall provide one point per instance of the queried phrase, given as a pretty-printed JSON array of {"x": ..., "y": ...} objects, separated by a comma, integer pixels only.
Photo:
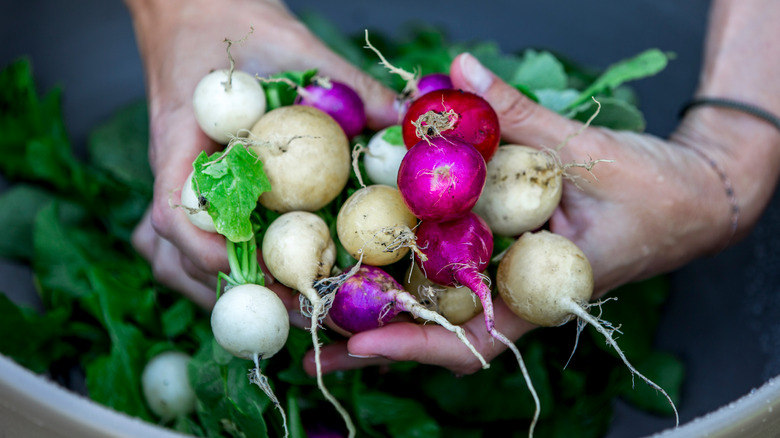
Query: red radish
[
  {"x": 457, "y": 252},
  {"x": 338, "y": 100},
  {"x": 458, "y": 114},
  {"x": 441, "y": 179},
  {"x": 371, "y": 298}
]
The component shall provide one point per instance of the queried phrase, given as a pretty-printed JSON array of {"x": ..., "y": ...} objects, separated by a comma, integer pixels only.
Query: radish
[
  {"x": 441, "y": 178},
  {"x": 375, "y": 224},
  {"x": 251, "y": 322},
  {"x": 196, "y": 206},
  {"x": 298, "y": 251},
  {"x": 227, "y": 102},
  {"x": 457, "y": 113},
  {"x": 458, "y": 251},
  {"x": 383, "y": 155},
  {"x": 338, "y": 100},
  {"x": 433, "y": 82},
  {"x": 523, "y": 188},
  {"x": 456, "y": 303},
  {"x": 166, "y": 386},
  {"x": 371, "y": 298},
  {"x": 546, "y": 279},
  {"x": 306, "y": 156}
]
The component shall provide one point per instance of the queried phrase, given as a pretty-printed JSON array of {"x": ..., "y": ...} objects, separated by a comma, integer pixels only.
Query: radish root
[
  {"x": 257, "y": 378},
  {"x": 606, "y": 329}
]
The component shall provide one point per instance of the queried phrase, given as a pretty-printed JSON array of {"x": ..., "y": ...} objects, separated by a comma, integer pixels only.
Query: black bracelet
[{"x": 734, "y": 105}]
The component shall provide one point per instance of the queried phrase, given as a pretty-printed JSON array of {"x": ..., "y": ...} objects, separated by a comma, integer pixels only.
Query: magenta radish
[
  {"x": 458, "y": 251},
  {"x": 371, "y": 298},
  {"x": 441, "y": 179},
  {"x": 338, "y": 100},
  {"x": 546, "y": 279}
]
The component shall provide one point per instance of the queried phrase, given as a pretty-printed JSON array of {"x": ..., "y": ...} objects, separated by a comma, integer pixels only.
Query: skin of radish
[
  {"x": 166, "y": 386},
  {"x": 476, "y": 121},
  {"x": 305, "y": 155},
  {"x": 538, "y": 272},
  {"x": 442, "y": 179},
  {"x": 522, "y": 190},
  {"x": 370, "y": 220},
  {"x": 222, "y": 113},
  {"x": 383, "y": 158},
  {"x": 433, "y": 82},
  {"x": 250, "y": 319},
  {"x": 298, "y": 249},
  {"x": 452, "y": 246},
  {"x": 365, "y": 301},
  {"x": 197, "y": 215},
  {"x": 456, "y": 303},
  {"x": 339, "y": 101}
]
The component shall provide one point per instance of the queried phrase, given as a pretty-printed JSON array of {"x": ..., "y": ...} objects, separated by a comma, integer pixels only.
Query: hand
[
  {"x": 657, "y": 206},
  {"x": 179, "y": 43}
]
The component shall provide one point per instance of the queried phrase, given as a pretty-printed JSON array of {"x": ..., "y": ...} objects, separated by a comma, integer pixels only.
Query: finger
[
  {"x": 432, "y": 344},
  {"x": 173, "y": 276},
  {"x": 522, "y": 120},
  {"x": 335, "y": 357}
]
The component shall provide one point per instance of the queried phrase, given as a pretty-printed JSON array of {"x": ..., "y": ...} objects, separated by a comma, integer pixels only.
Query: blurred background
[{"x": 723, "y": 315}]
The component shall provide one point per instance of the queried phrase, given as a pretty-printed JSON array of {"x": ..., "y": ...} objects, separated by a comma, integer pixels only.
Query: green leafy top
[{"x": 231, "y": 182}]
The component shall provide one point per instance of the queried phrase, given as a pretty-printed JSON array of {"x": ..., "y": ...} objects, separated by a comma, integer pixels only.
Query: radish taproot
[
  {"x": 383, "y": 154},
  {"x": 371, "y": 298},
  {"x": 299, "y": 252},
  {"x": 375, "y": 224},
  {"x": 441, "y": 178},
  {"x": 546, "y": 279},
  {"x": 166, "y": 387},
  {"x": 458, "y": 252},
  {"x": 227, "y": 102},
  {"x": 250, "y": 322},
  {"x": 456, "y": 303},
  {"x": 456, "y": 113},
  {"x": 306, "y": 156}
]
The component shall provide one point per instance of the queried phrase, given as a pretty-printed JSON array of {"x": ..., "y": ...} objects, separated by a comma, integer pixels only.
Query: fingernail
[
  {"x": 360, "y": 356},
  {"x": 475, "y": 73}
]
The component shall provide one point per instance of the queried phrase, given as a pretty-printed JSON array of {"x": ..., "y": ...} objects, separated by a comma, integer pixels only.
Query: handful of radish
[{"x": 453, "y": 192}]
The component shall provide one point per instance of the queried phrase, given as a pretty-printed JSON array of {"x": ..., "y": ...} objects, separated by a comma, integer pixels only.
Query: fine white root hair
[{"x": 257, "y": 378}]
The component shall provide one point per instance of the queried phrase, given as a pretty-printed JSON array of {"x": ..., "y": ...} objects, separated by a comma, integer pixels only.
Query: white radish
[
  {"x": 196, "y": 206},
  {"x": 298, "y": 251},
  {"x": 523, "y": 188},
  {"x": 227, "y": 103},
  {"x": 547, "y": 280},
  {"x": 305, "y": 155},
  {"x": 375, "y": 223},
  {"x": 383, "y": 156},
  {"x": 166, "y": 386},
  {"x": 250, "y": 321},
  {"x": 457, "y": 304}
]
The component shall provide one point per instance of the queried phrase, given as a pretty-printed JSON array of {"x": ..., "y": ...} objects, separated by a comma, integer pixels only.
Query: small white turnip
[
  {"x": 196, "y": 206},
  {"x": 227, "y": 102},
  {"x": 383, "y": 156},
  {"x": 166, "y": 386}
]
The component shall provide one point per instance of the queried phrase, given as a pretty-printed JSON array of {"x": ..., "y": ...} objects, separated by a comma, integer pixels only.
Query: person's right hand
[{"x": 180, "y": 42}]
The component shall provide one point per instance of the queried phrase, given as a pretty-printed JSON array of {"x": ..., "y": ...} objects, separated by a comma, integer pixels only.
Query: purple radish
[
  {"x": 457, "y": 252},
  {"x": 432, "y": 82},
  {"x": 338, "y": 100},
  {"x": 371, "y": 298},
  {"x": 441, "y": 178}
]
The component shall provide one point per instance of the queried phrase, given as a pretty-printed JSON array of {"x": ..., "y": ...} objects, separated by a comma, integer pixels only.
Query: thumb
[{"x": 522, "y": 120}]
